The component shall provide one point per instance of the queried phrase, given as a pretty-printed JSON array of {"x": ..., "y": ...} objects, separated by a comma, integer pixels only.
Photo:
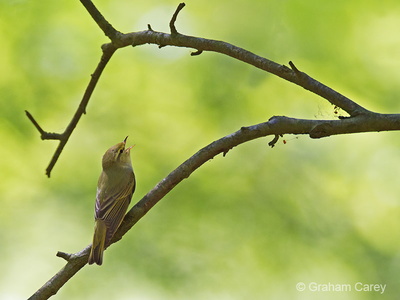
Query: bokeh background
[{"x": 250, "y": 225}]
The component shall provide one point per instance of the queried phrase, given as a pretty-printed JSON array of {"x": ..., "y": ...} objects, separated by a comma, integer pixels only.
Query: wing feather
[{"x": 113, "y": 207}]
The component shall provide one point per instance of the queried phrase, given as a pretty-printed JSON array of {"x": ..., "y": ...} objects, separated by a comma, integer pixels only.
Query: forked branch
[
  {"x": 359, "y": 120},
  {"x": 108, "y": 51},
  {"x": 149, "y": 36}
]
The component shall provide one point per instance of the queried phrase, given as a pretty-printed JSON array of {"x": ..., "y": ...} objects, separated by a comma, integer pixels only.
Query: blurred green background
[{"x": 250, "y": 225}]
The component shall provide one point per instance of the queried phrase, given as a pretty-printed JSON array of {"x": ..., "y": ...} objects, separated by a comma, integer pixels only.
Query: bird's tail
[{"x": 99, "y": 237}]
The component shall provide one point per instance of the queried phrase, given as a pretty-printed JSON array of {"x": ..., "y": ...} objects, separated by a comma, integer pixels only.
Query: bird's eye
[{"x": 120, "y": 151}]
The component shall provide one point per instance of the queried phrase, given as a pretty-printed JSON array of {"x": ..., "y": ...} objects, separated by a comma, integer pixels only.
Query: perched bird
[{"x": 114, "y": 192}]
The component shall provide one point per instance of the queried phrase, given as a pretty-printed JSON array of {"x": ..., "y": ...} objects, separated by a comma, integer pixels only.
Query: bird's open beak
[{"x": 129, "y": 148}]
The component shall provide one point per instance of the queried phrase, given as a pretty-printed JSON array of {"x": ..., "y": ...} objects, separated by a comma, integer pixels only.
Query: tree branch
[
  {"x": 360, "y": 120},
  {"x": 107, "y": 28},
  {"x": 174, "y": 16},
  {"x": 120, "y": 40},
  {"x": 202, "y": 44},
  {"x": 108, "y": 51},
  {"x": 277, "y": 126}
]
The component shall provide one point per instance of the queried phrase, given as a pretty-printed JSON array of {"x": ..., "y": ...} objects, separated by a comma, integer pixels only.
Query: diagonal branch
[
  {"x": 282, "y": 71},
  {"x": 275, "y": 126}
]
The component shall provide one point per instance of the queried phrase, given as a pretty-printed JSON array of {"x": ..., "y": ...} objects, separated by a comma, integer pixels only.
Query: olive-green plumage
[{"x": 114, "y": 192}]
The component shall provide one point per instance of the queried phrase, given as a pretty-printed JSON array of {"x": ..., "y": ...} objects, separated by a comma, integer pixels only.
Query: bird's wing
[{"x": 113, "y": 208}]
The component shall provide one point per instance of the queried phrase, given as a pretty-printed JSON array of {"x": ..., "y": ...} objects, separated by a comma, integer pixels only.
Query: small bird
[{"x": 114, "y": 192}]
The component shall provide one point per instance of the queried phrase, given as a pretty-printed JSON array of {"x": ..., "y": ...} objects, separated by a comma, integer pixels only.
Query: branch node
[
  {"x": 174, "y": 16},
  {"x": 64, "y": 255},
  {"x": 195, "y": 53},
  {"x": 294, "y": 68},
  {"x": 44, "y": 135},
  {"x": 320, "y": 131},
  {"x": 225, "y": 152},
  {"x": 274, "y": 141}
]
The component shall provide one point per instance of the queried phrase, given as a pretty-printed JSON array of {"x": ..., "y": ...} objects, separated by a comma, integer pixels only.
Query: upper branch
[
  {"x": 202, "y": 44},
  {"x": 119, "y": 40}
]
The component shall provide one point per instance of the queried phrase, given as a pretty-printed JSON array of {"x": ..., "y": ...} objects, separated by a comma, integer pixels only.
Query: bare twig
[
  {"x": 195, "y": 53},
  {"x": 43, "y": 134},
  {"x": 30, "y": 117},
  {"x": 108, "y": 51},
  {"x": 294, "y": 68},
  {"x": 107, "y": 28},
  {"x": 173, "y": 19},
  {"x": 274, "y": 141},
  {"x": 66, "y": 256}
]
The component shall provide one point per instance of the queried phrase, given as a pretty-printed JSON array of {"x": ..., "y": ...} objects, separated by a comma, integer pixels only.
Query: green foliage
[{"x": 251, "y": 224}]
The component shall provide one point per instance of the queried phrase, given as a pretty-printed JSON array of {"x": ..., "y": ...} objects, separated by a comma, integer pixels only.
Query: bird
[{"x": 115, "y": 188}]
